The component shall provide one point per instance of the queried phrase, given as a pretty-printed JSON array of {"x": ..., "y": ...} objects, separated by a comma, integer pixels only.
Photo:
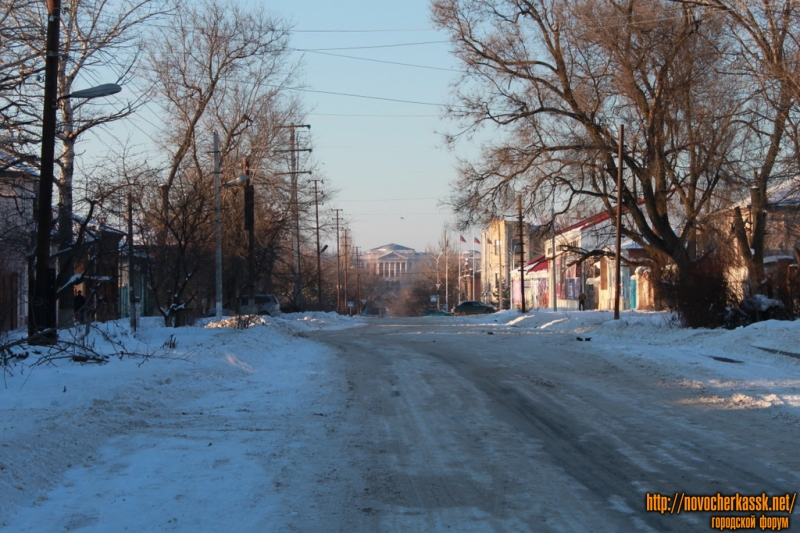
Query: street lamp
[
  {"x": 42, "y": 314},
  {"x": 107, "y": 89}
]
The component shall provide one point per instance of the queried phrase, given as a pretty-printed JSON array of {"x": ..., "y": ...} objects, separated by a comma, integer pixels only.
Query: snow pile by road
[{"x": 318, "y": 320}]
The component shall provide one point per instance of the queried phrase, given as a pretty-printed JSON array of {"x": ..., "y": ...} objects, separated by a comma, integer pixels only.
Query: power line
[
  {"x": 351, "y": 95},
  {"x": 390, "y": 199},
  {"x": 369, "y": 116},
  {"x": 399, "y": 214},
  {"x": 385, "y": 62},
  {"x": 370, "y": 47},
  {"x": 365, "y": 31}
]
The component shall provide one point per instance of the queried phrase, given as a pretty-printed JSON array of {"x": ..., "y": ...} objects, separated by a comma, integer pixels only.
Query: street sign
[
  {"x": 351, "y": 304},
  {"x": 434, "y": 298},
  {"x": 438, "y": 286},
  {"x": 363, "y": 302}
]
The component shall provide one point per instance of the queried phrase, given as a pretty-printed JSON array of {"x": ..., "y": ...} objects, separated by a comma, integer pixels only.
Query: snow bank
[
  {"x": 319, "y": 320},
  {"x": 126, "y": 443}
]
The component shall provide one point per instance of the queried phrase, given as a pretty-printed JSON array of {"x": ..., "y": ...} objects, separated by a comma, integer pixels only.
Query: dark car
[
  {"x": 472, "y": 307},
  {"x": 436, "y": 312}
]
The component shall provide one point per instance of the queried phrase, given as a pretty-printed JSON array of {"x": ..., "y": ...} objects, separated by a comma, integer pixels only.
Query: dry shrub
[
  {"x": 783, "y": 285},
  {"x": 700, "y": 292}
]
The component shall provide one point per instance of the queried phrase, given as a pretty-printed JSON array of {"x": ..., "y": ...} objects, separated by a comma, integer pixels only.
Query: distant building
[
  {"x": 500, "y": 255},
  {"x": 470, "y": 268},
  {"x": 391, "y": 261}
]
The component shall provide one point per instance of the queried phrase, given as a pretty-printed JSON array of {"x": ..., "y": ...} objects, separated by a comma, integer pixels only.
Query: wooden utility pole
[
  {"x": 446, "y": 275},
  {"x": 619, "y": 222},
  {"x": 297, "y": 289},
  {"x": 217, "y": 231},
  {"x": 345, "y": 266},
  {"x": 42, "y": 307},
  {"x": 132, "y": 299},
  {"x": 250, "y": 227},
  {"x": 521, "y": 253},
  {"x": 502, "y": 242},
  {"x": 319, "y": 259},
  {"x": 553, "y": 246},
  {"x": 338, "y": 266},
  {"x": 358, "y": 281}
]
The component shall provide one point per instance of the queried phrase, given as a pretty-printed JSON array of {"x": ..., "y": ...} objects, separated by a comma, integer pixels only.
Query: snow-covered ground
[
  {"x": 755, "y": 366},
  {"x": 126, "y": 446},
  {"x": 222, "y": 425}
]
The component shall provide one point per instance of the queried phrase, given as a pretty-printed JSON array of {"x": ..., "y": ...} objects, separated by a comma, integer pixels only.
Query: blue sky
[{"x": 385, "y": 157}]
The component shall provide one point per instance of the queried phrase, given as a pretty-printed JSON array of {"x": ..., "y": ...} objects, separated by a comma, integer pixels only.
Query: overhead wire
[
  {"x": 370, "y": 47},
  {"x": 383, "y": 61}
]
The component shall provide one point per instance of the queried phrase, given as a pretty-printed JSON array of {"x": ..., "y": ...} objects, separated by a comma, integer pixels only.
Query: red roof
[
  {"x": 593, "y": 220},
  {"x": 536, "y": 265}
]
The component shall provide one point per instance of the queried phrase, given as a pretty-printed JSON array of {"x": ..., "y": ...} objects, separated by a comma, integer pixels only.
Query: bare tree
[
  {"x": 219, "y": 68},
  {"x": 767, "y": 63},
  {"x": 98, "y": 39},
  {"x": 19, "y": 66},
  {"x": 555, "y": 77},
  {"x": 215, "y": 66}
]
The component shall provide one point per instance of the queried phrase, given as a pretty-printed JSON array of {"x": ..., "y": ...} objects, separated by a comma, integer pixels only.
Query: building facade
[
  {"x": 392, "y": 262},
  {"x": 500, "y": 255}
]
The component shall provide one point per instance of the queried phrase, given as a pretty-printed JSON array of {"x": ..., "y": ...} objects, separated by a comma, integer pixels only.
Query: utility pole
[
  {"x": 446, "y": 275},
  {"x": 358, "y": 281},
  {"x": 521, "y": 253},
  {"x": 619, "y": 221},
  {"x": 345, "y": 267},
  {"x": 249, "y": 226},
  {"x": 553, "y": 246},
  {"x": 319, "y": 259},
  {"x": 472, "y": 272},
  {"x": 297, "y": 289},
  {"x": 501, "y": 288},
  {"x": 42, "y": 308},
  {"x": 338, "y": 266},
  {"x": 134, "y": 311},
  {"x": 217, "y": 230}
]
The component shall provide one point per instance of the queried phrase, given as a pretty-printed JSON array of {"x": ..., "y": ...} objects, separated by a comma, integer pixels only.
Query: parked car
[
  {"x": 472, "y": 307},
  {"x": 436, "y": 312},
  {"x": 265, "y": 304}
]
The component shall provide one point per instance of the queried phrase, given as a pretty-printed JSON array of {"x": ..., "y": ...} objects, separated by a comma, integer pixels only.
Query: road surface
[{"x": 456, "y": 427}]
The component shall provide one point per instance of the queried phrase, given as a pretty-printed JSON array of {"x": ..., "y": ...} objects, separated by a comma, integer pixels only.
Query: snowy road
[
  {"x": 321, "y": 423},
  {"x": 454, "y": 428}
]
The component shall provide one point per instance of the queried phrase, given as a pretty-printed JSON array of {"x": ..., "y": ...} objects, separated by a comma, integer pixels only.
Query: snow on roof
[
  {"x": 8, "y": 161},
  {"x": 776, "y": 258},
  {"x": 786, "y": 193},
  {"x": 591, "y": 221},
  {"x": 628, "y": 244}
]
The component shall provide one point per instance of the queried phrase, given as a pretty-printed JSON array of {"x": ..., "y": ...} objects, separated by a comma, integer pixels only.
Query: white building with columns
[{"x": 392, "y": 262}]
